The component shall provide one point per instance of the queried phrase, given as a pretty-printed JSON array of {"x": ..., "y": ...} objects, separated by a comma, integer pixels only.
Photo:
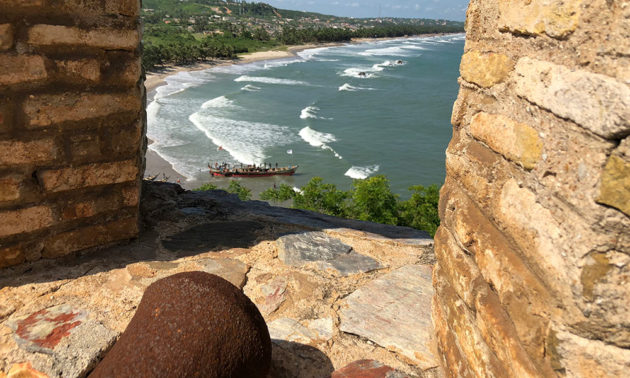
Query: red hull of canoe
[{"x": 253, "y": 175}]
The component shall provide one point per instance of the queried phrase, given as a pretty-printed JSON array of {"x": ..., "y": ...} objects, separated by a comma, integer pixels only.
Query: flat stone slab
[
  {"x": 291, "y": 330},
  {"x": 60, "y": 341},
  {"x": 326, "y": 252},
  {"x": 367, "y": 369},
  {"x": 394, "y": 311}
]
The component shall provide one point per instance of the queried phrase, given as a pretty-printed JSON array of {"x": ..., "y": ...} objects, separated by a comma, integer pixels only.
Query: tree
[
  {"x": 421, "y": 210},
  {"x": 242, "y": 192},
  {"x": 323, "y": 198},
  {"x": 373, "y": 200}
]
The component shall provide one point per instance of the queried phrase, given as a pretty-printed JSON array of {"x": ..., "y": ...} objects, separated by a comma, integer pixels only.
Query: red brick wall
[{"x": 72, "y": 126}]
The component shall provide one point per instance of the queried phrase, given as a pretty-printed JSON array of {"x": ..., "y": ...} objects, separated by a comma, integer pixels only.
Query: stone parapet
[
  {"x": 71, "y": 126},
  {"x": 533, "y": 253}
]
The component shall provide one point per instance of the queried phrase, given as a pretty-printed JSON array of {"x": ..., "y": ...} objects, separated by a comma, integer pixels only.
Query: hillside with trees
[{"x": 188, "y": 31}]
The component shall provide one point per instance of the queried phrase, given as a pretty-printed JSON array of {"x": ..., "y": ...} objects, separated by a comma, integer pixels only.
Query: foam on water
[
  {"x": 219, "y": 102},
  {"x": 269, "y": 80},
  {"x": 362, "y": 173},
  {"x": 251, "y": 88},
  {"x": 350, "y": 88},
  {"x": 319, "y": 139},
  {"x": 311, "y": 112},
  {"x": 356, "y": 73},
  {"x": 387, "y": 51},
  {"x": 244, "y": 141},
  {"x": 181, "y": 81}
]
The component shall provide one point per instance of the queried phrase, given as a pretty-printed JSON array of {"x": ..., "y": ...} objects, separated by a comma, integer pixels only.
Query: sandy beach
[{"x": 155, "y": 164}]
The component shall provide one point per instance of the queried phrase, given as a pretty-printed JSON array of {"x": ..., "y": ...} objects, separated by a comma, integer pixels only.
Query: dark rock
[
  {"x": 191, "y": 324},
  {"x": 211, "y": 236},
  {"x": 327, "y": 252},
  {"x": 367, "y": 369}
]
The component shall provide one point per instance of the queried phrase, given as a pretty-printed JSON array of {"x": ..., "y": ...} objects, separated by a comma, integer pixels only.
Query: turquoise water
[{"x": 341, "y": 113}]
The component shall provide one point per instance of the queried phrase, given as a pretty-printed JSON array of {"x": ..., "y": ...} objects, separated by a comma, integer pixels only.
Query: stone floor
[{"x": 332, "y": 291}]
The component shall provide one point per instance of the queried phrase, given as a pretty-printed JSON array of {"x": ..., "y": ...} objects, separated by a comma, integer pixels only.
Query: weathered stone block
[
  {"x": 458, "y": 268},
  {"x": 450, "y": 353},
  {"x": 6, "y": 36},
  {"x": 514, "y": 140},
  {"x": 461, "y": 321},
  {"x": 10, "y": 188},
  {"x": 104, "y": 38},
  {"x": 59, "y": 180},
  {"x": 555, "y": 18},
  {"x": 581, "y": 357},
  {"x": 25, "y": 220},
  {"x": 596, "y": 102},
  {"x": 485, "y": 69},
  {"x": 21, "y": 3},
  {"x": 33, "y": 152},
  {"x": 91, "y": 236},
  {"x": 615, "y": 184},
  {"x": 82, "y": 70},
  {"x": 131, "y": 196},
  {"x": 501, "y": 266},
  {"x": 22, "y": 69},
  {"x": 45, "y": 110},
  {"x": 499, "y": 332}
]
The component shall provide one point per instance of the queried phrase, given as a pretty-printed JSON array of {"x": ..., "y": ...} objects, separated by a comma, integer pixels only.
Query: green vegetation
[
  {"x": 370, "y": 200},
  {"x": 188, "y": 31},
  {"x": 235, "y": 187}
]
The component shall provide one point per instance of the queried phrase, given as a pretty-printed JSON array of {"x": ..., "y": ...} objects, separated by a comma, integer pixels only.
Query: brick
[
  {"x": 6, "y": 116},
  {"x": 89, "y": 175},
  {"x": 514, "y": 140},
  {"x": 11, "y": 256},
  {"x": 555, "y": 18},
  {"x": 615, "y": 184},
  {"x": 33, "y": 152},
  {"x": 88, "y": 237},
  {"x": 45, "y": 110},
  {"x": 126, "y": 141},
  {"x": 22, "y": 69},
  {"x": 6, "y": 36},
  {"x": 10, "y": 188},
  {"x": 25, "y": 220},
  {"x": 124, "y": 7},
  {"x": 85, "y": 147},
  {"x": 104, "y": 38},
  {"x": 101, "y": 203},
  {"x": 84, "y": 69},
  {"x": 131, "y": 196},
  {"x": 485, "y": 69},
  {"x": 21, "y": 3},
  {"x": 596, "y": 102}
]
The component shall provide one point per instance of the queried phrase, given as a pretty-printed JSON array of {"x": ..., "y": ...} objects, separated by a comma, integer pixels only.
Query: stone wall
[
  {"x": 71, "y": 126},
  {"x": 533, "y": 273}
]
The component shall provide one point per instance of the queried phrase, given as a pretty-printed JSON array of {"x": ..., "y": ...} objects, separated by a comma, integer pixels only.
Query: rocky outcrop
[
  {"x": 534, "y": 248},
  {"x": 191, "y": 324},
  {"x": 301, "y": 304}
]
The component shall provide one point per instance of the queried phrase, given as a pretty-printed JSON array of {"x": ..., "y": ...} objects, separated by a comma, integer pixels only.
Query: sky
[{"x": 437, "y": 9}]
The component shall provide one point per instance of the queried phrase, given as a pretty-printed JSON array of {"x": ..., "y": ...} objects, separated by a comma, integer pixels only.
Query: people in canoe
[{"x": 250, "y": 170}]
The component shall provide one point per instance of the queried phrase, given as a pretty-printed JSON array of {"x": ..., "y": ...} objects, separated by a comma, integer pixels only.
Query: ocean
[{"x": 341, "y": 113}]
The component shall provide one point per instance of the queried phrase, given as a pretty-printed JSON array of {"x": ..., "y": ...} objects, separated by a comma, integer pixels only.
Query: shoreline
[{"x": 155, "y": 164}]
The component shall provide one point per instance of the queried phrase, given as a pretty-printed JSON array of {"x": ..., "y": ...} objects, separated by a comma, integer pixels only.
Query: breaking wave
[
  {"x": 361, "y": 173},
  {"x": 269, "y": 80},
  {"x": 319, "y": 139}
]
